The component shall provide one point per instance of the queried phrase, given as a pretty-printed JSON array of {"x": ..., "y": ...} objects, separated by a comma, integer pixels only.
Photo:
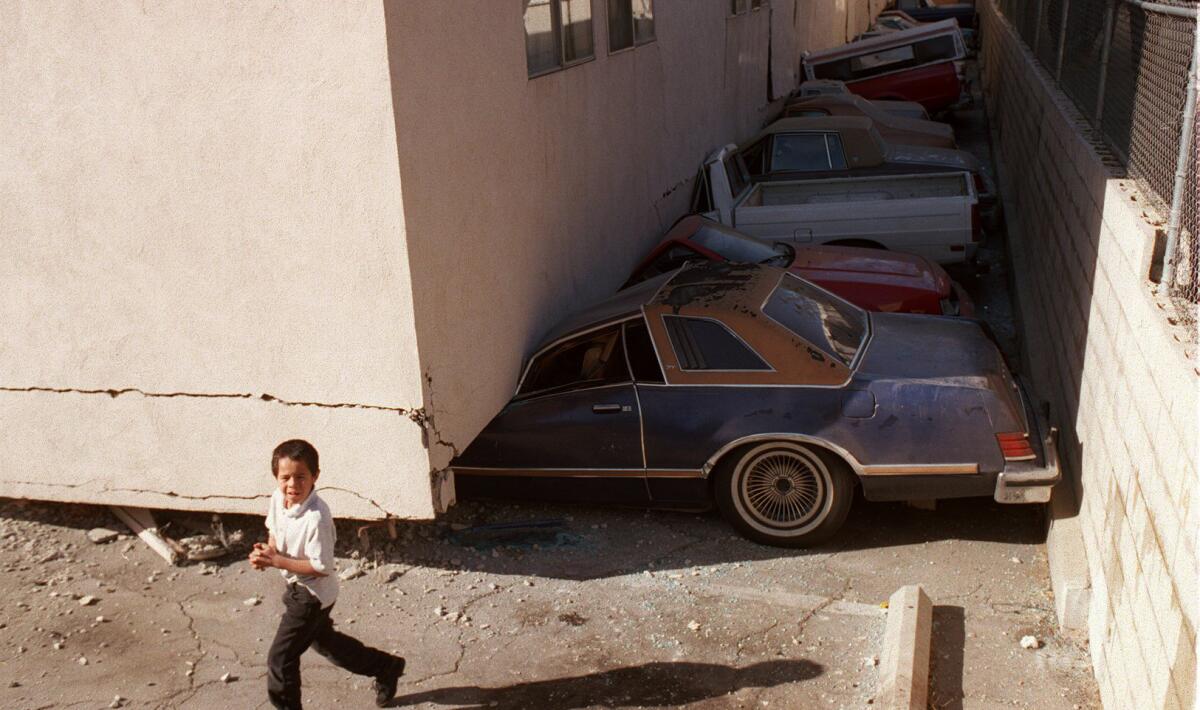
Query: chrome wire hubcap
[{"x": 782, "y": 489}]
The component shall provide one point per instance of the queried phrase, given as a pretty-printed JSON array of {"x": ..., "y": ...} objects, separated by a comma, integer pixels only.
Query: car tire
[{"x": 784, "y": 493}]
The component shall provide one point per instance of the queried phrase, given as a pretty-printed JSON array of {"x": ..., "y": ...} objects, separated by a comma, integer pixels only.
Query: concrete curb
[{"x": 904, "y": 663}]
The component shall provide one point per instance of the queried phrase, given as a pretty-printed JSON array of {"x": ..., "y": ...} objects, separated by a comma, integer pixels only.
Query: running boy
[{"x": 300, "y": 544}]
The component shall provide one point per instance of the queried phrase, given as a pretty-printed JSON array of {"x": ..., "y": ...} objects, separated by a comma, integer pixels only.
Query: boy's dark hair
[{"x": 296, "y": 450}]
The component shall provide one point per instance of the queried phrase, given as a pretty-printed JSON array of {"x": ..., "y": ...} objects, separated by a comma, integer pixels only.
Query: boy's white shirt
[{"x": 306, "y": 531}]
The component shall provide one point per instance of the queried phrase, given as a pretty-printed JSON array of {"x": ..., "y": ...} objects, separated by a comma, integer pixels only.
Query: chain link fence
[{"x": 1127, "y": 64}]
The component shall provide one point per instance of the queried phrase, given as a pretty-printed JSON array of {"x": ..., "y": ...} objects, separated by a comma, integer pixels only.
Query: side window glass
[
  {"x": 839, "y": 69},
  {"x": 883, "y": 61},
  {"x": 642, "y": 359},
  {"x": 837, "y": 157},
  {"x": 754, "y": 158},
  {"x": 800, "y": 152},
  {"x": 807, "y": 113},
  {"x": 702, "y": 344},
  {"x": 587, "y": 361},
  {"x": 735, "y": 170},
  {"x": 701, "y": 202}
]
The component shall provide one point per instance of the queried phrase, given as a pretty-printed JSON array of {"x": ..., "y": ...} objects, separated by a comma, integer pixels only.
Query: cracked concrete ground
[{"x": 600, "y": 607}]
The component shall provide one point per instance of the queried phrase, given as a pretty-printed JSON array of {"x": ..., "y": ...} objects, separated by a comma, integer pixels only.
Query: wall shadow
[{"x": 666, "y": 684}]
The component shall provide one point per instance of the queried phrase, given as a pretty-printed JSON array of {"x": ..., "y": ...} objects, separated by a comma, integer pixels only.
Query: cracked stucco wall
[{"x": 204, "y": 254}]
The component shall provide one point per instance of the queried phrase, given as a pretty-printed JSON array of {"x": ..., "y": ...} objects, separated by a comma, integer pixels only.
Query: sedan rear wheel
[{"x": 785, "y": 493}]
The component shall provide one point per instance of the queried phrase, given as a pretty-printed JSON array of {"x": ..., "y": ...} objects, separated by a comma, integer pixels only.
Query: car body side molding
[{"x": 907, "y": 469}]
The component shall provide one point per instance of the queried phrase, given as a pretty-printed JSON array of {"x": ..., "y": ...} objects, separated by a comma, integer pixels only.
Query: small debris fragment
[
  {"x": 694, "y": 625},
  {"x": 252, "y": 601},
  {"x": 117, "y": 701},
  {"x": 100, "y": 536},
  {"x": 228, "y": 678},
  {"x": 101, "y": 619},
  {"x": 352, "y": 572},
  {"x": 1030, "y": 642},
  {"x": 203, "y": 547},
  {"x": 82, "y": 661},
  {"x": 871, "y": 661},
  {"x": 87, "y": 600},
  {"x": 1015, "y": 560}
]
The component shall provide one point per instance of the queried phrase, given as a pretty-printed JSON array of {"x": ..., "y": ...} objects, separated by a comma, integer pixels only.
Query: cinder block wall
[{"x": 1101, "y": 349}]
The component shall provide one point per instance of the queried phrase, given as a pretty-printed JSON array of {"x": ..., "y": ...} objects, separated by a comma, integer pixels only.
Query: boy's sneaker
[{"x": 385, "y": 685}]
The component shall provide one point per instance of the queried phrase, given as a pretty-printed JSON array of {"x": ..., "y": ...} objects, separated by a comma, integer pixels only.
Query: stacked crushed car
[{"x": 796, "y": 336}]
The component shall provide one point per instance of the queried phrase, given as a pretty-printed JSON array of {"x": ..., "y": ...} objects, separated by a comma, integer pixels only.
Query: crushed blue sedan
[{"x": 752, "y": 388}]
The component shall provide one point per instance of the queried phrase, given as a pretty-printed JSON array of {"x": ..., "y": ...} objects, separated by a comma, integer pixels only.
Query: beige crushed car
[{"x": 893, "y": 128}]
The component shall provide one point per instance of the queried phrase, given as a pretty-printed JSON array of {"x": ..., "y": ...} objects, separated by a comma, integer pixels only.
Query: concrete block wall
[{"x": 1101, "y": 349}]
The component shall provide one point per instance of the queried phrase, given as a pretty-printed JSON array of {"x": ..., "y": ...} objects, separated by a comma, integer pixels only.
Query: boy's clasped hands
[{"x": 263, "y": 556}]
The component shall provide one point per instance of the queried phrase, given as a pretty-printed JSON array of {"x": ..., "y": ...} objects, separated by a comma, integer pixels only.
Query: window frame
[
  {"x": 618, "y": 325},
  {"x": 556, "y": 23},
  {"x": 632, "y": 28},
  {"x": 678, "y": 359}
]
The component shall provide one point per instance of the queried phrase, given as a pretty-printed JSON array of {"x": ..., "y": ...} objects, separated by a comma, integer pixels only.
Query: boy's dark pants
[{"x": 305, "y": 623}]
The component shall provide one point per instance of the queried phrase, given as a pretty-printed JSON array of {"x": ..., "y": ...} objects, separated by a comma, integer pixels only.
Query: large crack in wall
[{"x": 421, "y": 416}]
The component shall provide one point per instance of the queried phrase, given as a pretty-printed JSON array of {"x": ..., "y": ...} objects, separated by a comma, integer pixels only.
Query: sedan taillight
[{"x": 1015, "y": 446}]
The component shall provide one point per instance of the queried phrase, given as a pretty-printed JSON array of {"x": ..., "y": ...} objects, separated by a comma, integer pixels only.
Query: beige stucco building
[{"x": 229, "y": 224}]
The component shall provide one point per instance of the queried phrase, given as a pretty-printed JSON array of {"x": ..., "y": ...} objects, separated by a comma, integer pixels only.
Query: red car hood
[{"x": 833, "y": 263}]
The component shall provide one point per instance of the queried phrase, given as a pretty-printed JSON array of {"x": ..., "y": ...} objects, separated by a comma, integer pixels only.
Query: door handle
[{"x": 606, "y": 408}]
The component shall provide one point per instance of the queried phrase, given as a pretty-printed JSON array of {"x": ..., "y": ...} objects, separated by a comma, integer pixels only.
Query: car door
[{"x": 573, "y": 430}]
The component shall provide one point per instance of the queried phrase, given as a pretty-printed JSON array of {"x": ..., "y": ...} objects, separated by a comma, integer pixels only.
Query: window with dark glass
[
  {"x": 754, "y": 157},
  {"x": 735, "y": 170},
  {"x": 737, "y": 7},
  {"x": 807, "y": 113},
  {"x": 829, "y": 323},
  {"x": 701, "y": 200},
  {"x": 630, "y": 22},
  {"x": 807, "y": 151},
  {"x": 702, "y": 344},
  {"x": 558, "y": 33},
  {"x": 642, "y": 358},
  {"x": 590, "y": 360}
]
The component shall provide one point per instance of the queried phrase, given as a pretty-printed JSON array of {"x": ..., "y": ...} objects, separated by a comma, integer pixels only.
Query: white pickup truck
[{"x": 934, "y": 215}]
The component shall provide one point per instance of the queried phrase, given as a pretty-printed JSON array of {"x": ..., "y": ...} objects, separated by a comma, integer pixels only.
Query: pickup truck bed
[{"x": 927, "y": 215}]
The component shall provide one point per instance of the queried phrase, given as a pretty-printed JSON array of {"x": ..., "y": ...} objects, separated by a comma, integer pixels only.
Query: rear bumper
[{"x": 1032, "y": 481}]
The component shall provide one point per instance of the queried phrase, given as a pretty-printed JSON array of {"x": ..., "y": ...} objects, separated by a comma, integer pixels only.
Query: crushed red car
[{"x": 874, "y": 279}]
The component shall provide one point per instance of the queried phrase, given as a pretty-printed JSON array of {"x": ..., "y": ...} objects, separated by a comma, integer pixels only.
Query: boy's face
[{"x": 295, "y": 480}]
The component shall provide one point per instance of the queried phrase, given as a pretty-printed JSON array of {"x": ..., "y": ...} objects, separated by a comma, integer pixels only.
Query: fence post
[
  {"x": 1181, "y": 167},
  {"x": 1062, "y": 39},
  {"x": 1104, "y": 49}
]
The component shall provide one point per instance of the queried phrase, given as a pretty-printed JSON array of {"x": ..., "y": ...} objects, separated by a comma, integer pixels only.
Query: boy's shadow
[{"x": 650, "y": 684}]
